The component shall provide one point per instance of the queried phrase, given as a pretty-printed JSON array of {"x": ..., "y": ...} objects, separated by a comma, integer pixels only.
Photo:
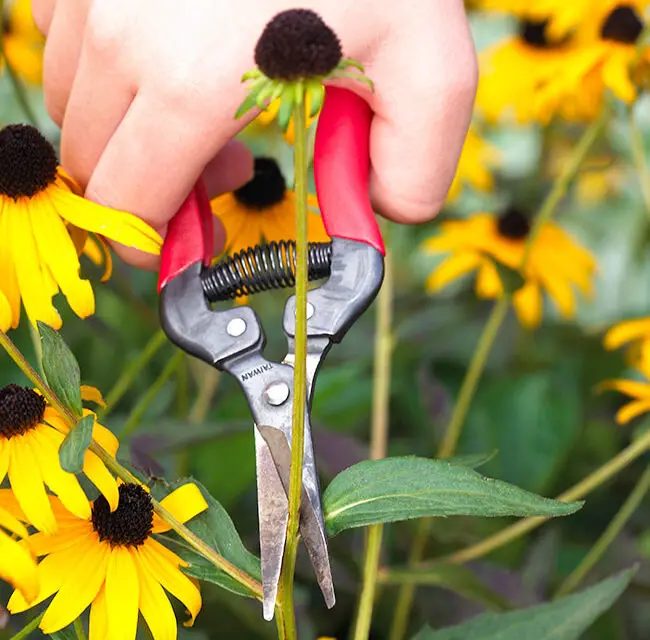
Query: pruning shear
[{"x": 233, "y": 339}]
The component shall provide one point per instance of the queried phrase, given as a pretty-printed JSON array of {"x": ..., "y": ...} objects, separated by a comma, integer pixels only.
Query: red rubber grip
[
  {"x": 341, "y": 168},
  {"x": 190, "y": 236}
]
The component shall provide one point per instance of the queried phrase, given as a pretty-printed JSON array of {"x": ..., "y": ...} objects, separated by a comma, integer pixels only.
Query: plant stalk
[
  {"x": 640, "y": 159},
  {"x": 484, "y": 347},
  {"x": 79, "y": 629},
  {"x": 608, "y": 536},
  {"x": 301, "y": 181},
  {"x": 26, "y": 631},
  {"x": 384, "y": 345},
  {"x": 125, "y": 475}
]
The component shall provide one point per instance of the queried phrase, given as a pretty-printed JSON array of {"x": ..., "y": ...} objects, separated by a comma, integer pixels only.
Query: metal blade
[
  {"x": 272, "y": 505},
  {"x": 312, "y": 525}
]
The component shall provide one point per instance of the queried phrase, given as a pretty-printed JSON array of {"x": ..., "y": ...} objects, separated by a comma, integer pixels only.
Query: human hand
[{"x": 145, "y": 93}]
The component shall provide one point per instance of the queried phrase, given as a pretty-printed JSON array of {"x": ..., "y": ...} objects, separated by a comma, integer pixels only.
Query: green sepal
[
  {"x": 74, "y": 446},
  {"x": 286, "y": 108},
  {"x": 316, "y": 93},
  {"x": 511, "y": 279}
]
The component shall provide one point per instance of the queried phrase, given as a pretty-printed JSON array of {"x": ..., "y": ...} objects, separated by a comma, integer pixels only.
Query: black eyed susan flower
[
  {"x": 476, "y": 159},
  {"x": 44, "y": 227},
  {"x": 556, "y": 265},
  {"x": 263, "y": 210},
  {"x": 17, "y": 564},
  {"x": 23, "y": 42},
  {"x": 31, "y": 433},
  {"x": 111, "y": 562}
]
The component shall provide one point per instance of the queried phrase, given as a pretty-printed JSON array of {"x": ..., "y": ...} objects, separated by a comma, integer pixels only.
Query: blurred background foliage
[{"x": 536, "y": 406}]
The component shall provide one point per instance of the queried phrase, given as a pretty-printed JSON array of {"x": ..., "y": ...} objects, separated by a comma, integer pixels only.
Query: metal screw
[
  {"x": 236, "y": 327},
  {"x": 276, "y": 393}
]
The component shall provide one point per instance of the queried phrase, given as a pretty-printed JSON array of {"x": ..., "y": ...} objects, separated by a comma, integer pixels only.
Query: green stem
[
  {"x": 79, "y": 629},
  {"x": 384, "y": 345},
  {"x": 126, "y": 476},
  {"x": 34, "y": 622},
  {"x": 130, "y": 373},
  {"x": 484, "y": 347},
  {"x": 577, "y": 492},
  {"x": 136, "y": 415},
  {"x": 640, "y": 160},
  {"x": 609, "y": 535},
  {"x": 301, "y": 167},
  {"x": 472, "y": 377}
]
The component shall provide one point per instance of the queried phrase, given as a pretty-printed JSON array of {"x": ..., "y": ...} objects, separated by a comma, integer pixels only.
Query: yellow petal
[
  {"x": 104, "y": 437},
  {"x": 527, "y": 302},
  {"x": 488, "y": 283},
  {"x": 155, "y": 606},
  {"x": 6, "y": 316},
  {"x": 7, "y": 266},
  {"x": 170, "y": 577},
  {"x": 632, "y": 410},
  {"x": 122, "y": 594},
  {"x": 45, "y": 445},
  {"x": 83, "y": 580},
  {"x": 102, "y": 478},
  {"x": 559, "y": 291},
  {"x": 27, "y": 484},
  {"x": 98, "y": 629},
  {"x": 119, "y": 226},
  {"x": 616, "y": 76},
  {"x": 4, "y": 458},
  {"x": 451, "y": 269},
  {"x": 9, "y": 522},
  {"x": 18, "y": 567},
  {"x": 184, "y": 503},
  {"x": 630, "y": 388},
  {"x": 92, "y": 394},
  {"x": 99, "y": 253},
  {"x": 627, "y": 331},
  {"x": 43, "y": 544}
]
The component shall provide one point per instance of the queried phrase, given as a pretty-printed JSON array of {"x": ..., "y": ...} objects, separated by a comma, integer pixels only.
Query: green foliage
[
  {"x": 394, "y": 489},
  {"x": 74, "y": 445},
  {"x": 564, "y": 619},
  {"x": 61, "y": 369}
]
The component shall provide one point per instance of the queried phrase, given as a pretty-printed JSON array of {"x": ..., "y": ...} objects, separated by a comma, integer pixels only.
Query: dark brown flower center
[
  {"x": 130, "y": 524},
  {"x": 623, "y": 24},
  {"x": 27, "y": 162},
  {"x": 297, "y": 44},
  {"x": 513, "y": 224},
  {"x": 268, "y": 186},
  {"x": 533, "y": 32},
  {"x": 21, "y": 409}
]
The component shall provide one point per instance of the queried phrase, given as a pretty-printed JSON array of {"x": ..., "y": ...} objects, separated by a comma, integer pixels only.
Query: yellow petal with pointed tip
[
  {"x": 184, "y": 503},
  {"x": 632, "y": 410},
  {"x": 627, "y": 331},
  {"x": 91, "y": 394},
  {"x": 18, "y": 567},
  {"x": 154, "y": 605},
  {"x": 122, "y": 594}
]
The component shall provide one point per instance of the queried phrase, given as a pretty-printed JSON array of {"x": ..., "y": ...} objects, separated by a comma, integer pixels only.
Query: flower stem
[
  {"x": 609, "y": 535},
  {"x": 125, "y": 475},
  {"x": 384, "y": 345},
  {"x": 130, "y": 373},
  {"x": 79, "y": 629},
  {"x": 136, "y": 415},
  {"x": 301, "y": 167},
  {"x": 33, "y": 623},
  {"x": 577, "y": 492},
  {"x": 484, "y": 347},
  {"x": 640, "y": 160}
]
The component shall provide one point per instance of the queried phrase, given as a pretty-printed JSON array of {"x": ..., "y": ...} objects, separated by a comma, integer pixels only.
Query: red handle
[
  {"x": 190, "y": 236},
  {"x": 341, "y": 168}
]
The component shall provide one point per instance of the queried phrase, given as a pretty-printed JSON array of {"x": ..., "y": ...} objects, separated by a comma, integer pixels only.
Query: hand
[{"x": 146, "y": 91}]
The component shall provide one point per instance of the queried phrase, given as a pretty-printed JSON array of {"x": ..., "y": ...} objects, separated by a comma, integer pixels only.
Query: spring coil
[{"x": 263, "y": 267}]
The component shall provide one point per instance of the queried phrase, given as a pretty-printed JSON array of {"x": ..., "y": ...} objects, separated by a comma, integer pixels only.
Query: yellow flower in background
[
  {"x": 476, "y": 159},
  {"x": 17, "y": 564},
  {"x": 264, "y": 210},
  {"x": 110, "y": 562},
  {"x": 514, "y": 71},
  {"x": 639, "y": 391},
  {"x": 31, "y": 433},
  {"x": 269, "y": 115},
  {"x": 557, "y": 263},
  {"x": 23, "y": 42},
  {"x": 44, "y": 226}
]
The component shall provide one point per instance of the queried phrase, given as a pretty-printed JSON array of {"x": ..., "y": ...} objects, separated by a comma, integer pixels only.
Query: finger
[
  {"x": 231, "y": 168},
  {"x": 61, "y": 57},
  {"x": 43, "y": 10},
  {"x": 421, "y": 120}
]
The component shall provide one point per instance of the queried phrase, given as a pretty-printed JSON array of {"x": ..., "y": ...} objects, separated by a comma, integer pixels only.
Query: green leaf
[
  {"x": 65, "y": 634},
  {"x": 454, "y": 577},
  {"x": 472, "y": 460},
  {"x": 61, "y": 369},
  {"x": 563, "y": 619},
  {"x": 393, "y": 489},
  {"x": 74, "y": 445},
  {"x": 215, "y": 527}
]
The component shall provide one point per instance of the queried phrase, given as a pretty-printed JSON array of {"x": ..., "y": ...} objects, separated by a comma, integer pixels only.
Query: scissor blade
[
  {"x": 312, "y": 526},
  {"x": 273, "y": 509}
]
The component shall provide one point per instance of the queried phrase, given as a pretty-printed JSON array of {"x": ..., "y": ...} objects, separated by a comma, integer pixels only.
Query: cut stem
[
  {"x": 378, "y": 442},
  {"x": 301, "y": 167},
  {"x": 126, "y": 476},
  {"x": 609, "y": 535}
]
